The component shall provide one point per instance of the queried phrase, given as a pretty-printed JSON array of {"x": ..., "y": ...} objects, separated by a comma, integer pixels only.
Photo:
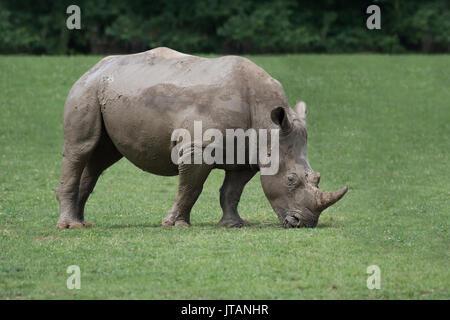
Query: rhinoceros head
[{"x": 293, "y": 191}]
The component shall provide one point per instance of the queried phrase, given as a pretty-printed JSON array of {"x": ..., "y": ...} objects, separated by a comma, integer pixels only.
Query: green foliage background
[{"x": 231, "y": 26}]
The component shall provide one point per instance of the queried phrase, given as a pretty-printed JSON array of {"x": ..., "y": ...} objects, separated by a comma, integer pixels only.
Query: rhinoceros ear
[
  {"x": 280, "y": 118},
  {"x": 300, "y": 109}
]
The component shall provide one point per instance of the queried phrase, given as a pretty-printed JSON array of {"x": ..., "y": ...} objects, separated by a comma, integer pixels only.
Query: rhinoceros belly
[{"x": 142, "y": 136}]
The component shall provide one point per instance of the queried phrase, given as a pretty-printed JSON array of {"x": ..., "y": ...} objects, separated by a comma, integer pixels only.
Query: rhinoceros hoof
[
  {"x": 233, "y": 223},
  {"x": 177, "y": 223},
  {"x": 182, "y": 223},
  {"x": 73, "y": 225}
]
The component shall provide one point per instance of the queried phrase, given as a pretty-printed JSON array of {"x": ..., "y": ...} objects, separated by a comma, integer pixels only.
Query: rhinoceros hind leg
[
  {"x": 192, "y": 178},
  {"x": 67, "y": 194},
  {"x": 82, "y": 132},
  {"x": 230, "y": 194},
  {"x": 104, "y": 156}
]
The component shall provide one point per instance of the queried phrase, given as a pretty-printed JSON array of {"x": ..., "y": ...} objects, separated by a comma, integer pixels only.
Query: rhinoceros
[{"x": 129, "y": 106}]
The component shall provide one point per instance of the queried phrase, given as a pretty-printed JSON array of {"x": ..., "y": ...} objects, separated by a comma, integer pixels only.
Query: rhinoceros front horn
[{"x": 326, "y": 199}]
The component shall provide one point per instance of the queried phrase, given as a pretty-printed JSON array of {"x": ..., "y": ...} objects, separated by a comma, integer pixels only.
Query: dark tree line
[{"x": 224, "y": 26}]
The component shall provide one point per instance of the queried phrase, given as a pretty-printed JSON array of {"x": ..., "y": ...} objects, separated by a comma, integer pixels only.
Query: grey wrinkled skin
[{"x": 128, "y": 106}]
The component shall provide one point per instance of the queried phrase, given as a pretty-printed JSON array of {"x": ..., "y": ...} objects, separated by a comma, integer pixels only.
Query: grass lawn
[{"x": 377, "y": 123}]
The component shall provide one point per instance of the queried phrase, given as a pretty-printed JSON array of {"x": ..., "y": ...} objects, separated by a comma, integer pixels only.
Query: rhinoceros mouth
[{"x": 303, "y": 218}]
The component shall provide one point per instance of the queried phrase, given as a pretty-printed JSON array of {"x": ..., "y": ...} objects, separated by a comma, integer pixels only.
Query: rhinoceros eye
[{"x": 292, "y": 179}]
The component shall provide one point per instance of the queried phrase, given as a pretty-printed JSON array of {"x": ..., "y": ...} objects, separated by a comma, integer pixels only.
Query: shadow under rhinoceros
[
  {"x": 252, "y": 225},
  {"x": 129, "y": 225}
]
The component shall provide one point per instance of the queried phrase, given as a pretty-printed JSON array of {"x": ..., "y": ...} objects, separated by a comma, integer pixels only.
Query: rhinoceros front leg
[
  {"x": 230, "y": 194},
  {"x": 192, "y": 178}
]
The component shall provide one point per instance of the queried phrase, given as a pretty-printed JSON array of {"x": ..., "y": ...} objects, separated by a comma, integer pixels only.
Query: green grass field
[{"x": 379, "y": 124}]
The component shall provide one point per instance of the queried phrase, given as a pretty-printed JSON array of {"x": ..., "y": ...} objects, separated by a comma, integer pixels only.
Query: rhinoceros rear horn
[{"x": 326, "y": 199}]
